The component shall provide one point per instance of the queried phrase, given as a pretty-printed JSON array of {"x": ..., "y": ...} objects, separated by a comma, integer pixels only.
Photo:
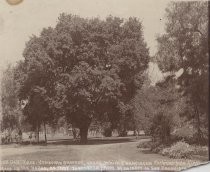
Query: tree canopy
[
  {"x": 83, "y": 69},
  {"x": 185, "y": 46}
]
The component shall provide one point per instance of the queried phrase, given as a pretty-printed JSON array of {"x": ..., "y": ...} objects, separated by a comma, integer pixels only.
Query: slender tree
[{"x": 185, "y": 47}]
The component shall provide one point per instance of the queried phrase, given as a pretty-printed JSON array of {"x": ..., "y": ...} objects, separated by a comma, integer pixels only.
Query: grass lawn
[{"x": 67, "y": 153}]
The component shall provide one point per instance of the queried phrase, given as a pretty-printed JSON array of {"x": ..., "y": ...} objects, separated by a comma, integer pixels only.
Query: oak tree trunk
[
  {"x": 45, "y": 133},
  {"x": 200, "y": 138},
  {"x": 83, "y": 135},
  {"x": 37, "y": 134}
]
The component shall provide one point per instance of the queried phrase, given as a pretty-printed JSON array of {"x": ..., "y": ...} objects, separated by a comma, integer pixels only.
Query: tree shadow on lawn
[{"x": 91, "y": 141}]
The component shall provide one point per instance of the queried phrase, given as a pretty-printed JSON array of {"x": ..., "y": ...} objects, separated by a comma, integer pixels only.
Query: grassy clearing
[{"x": 107, "y": 149}]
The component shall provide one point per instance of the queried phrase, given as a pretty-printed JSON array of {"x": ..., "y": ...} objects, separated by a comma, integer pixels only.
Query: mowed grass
[
  {"x": 67, "y": 149},
  {"x": 98, "y": 149}
]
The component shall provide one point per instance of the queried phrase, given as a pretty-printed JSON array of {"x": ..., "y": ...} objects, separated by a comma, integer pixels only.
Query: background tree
[
  {"x": 34, "y": 76},
  {"x": 11, "y": 112},
  {"x": 157, "y": 109},
  {"x": 184, "y": 46},
  {"x": 37, "y": 110}
]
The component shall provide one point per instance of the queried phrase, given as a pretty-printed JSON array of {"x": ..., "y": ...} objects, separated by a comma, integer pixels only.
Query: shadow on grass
[{"x": 91, "y": 141}]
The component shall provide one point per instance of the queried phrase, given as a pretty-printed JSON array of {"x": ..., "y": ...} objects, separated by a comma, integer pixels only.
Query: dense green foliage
[
  {"x": 179, "y": 150},
  {"x": 177, "y": 107},
  {"x": 184, "y": 46},
  {"x": 10, "y": 109},
  {"x": 83, "y": 69}
]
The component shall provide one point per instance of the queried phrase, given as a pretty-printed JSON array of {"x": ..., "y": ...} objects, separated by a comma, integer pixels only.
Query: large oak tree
[{"x": 88, "y": 68}]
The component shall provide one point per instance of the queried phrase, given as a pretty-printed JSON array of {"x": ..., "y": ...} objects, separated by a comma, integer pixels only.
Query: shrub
[
  {"x": 185, "y": 133},
  {"x": 106, "y": 129},
  {"x": 145, "y": 145},
  {"x": 155, "y": 147},
  {"x": 123, "y": 133},
  {"x": 107, "y": 132},
  {"x": 201, "y": 150},
  {"x": 189, "y": 134},
  {"x": 161, "y": 128},
  {"x": 9, "y": 136},
  {"x": 180, "y": 149}
]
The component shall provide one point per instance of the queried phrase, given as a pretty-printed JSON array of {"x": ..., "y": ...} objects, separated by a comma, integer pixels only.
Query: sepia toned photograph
[{"x": 104, "y": 85}]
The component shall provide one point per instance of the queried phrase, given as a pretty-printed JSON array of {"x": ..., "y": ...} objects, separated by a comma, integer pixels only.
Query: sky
[{"x": 19, "y": 22}]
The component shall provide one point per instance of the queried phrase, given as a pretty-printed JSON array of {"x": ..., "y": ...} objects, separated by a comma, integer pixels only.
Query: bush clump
[
  {"x": 161, "y": 128},
  {"x": 107, "y": 132},
  {"x": 180, "y": 149},
  {"x": 201, "y": 150},
  {"x": 145, "y": 145},
  {"x": 155, "y": 147}
]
